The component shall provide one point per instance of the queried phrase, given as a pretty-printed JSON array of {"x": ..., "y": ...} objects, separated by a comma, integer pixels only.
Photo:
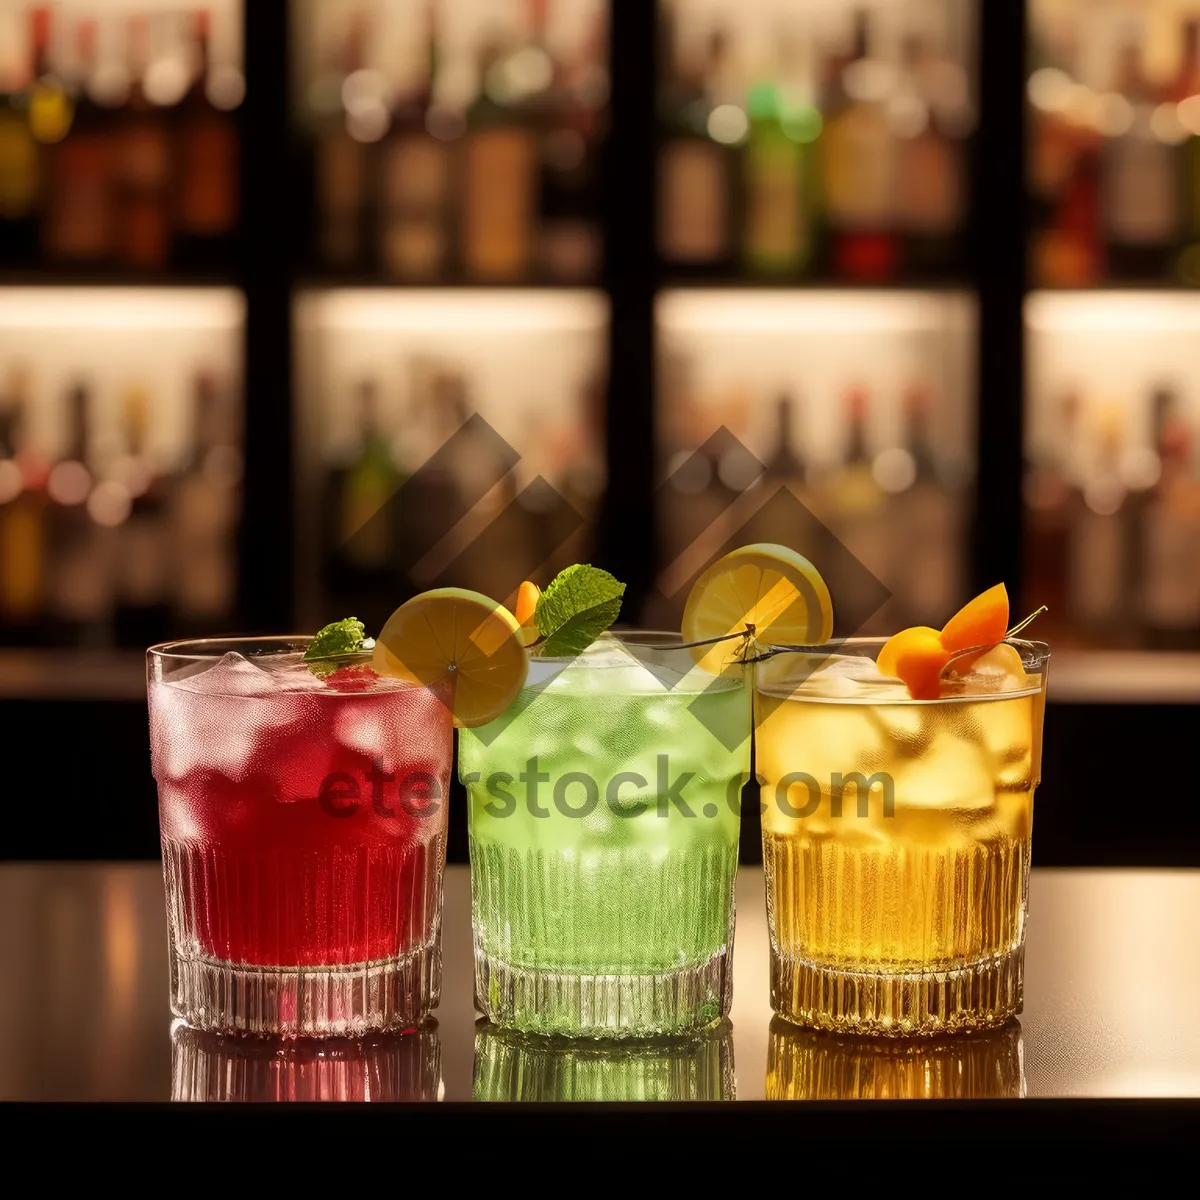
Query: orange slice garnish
[
  {"x": 918, "y": 657},
  {"x": 528, "y": 596},
  {"x": 982, "y": 622}
]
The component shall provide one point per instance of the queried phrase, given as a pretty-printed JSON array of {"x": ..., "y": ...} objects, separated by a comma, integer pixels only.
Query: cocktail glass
[
  {"x": 896, "y": 840},
  {"x": 604, "y": 818},
  {"x": 303, "y": 828}
]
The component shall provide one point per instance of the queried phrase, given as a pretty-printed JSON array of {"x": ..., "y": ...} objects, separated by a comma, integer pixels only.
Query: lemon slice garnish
[
  {"x": 769, "y": 589},
  {"x": 461, "y": 643}
]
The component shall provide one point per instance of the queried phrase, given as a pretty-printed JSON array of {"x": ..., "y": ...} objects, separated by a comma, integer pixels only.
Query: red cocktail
[{"x": 303, "y": 831}]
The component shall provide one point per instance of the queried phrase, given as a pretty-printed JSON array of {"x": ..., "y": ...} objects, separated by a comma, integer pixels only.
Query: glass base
[
  {"x": 979, "y": 995},
  {"x": 388, "y": 995},
  {"x": 670, "y": 1002}
]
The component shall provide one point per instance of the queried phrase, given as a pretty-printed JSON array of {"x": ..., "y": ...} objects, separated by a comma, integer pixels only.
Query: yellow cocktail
[{"x": 896, "y": 837}]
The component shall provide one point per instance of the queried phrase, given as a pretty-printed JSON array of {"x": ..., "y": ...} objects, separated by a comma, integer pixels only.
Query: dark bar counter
[{"x": 1106, "y": 1053}]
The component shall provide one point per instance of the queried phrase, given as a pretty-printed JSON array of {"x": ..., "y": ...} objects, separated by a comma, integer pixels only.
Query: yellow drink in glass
[{"x": 896, "y": 840}]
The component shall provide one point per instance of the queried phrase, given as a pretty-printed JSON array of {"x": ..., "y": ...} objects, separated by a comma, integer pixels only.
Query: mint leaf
[
  {"x": 334, "y": 642},
  {"x": 578, "y": 606}
]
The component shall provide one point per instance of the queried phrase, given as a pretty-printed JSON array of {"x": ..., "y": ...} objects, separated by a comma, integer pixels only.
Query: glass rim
[
  {"x": 208, "y": 647},
  {"x": 1034, "y": 655},
  {"x": 1043, "y": 648},
  {"x": 637, "y": 639}
]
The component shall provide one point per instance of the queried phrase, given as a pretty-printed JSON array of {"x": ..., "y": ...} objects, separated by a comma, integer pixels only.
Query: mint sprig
[
  {"x": 578, "y": 606},
  {"x": 336, "y": 642}
]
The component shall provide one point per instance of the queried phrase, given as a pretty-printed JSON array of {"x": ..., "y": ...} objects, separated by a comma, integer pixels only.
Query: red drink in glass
[{"x": 303, "y": 833}]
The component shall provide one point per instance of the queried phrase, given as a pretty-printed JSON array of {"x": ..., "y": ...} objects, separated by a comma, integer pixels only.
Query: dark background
[{"x": 78, "y": 782}]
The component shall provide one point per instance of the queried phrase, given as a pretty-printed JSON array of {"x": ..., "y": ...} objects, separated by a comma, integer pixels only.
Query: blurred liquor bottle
[
  {"x": 342, "y": 161},
  {"x": 855, "y": 504},
  {"x": 19, "y": 173},
  {"x": 860, "y": 164},
  {"x": 122, "y": 174},
  {"x": 778, "y": 167},
  {"x": 853, "y": 168},
  {"x": 77, "y": 212},
  {"x": 143, "y": 166},
  {"x": 416, "y": 173},
  {"x": 1051, "y": 491},
  {"x": 1101, "y": 553},
  {"x": 924, "y": 514},
  {"x": 50, "y": 105},
  {"x": 1139, "y": 184},
  {"x": 142, "y": 614},
  {"x": 80, "y": 547},
  {"x": 778, "y": 519},
  {"x": 500, "y": 157},
  {"x": 207, "y": 154},
  {"x": 696, "y": 182},
  {"x": 205, "y": 507},
  {"x": 1066, "y": 244},
  {"x": 570, "y": 241},
  {"x": 22, "y": 518},
  {"x": 1114, "y": 160},
  {"x": 1168, "y": 589},
  {"x": 363, "y": 533},
  {"x": 1185, "y": 92},
  {"x": 694, "y": 506},
  {"x": 435, "y": 398},
  {"x": 442, "y": 157},
  {"x": 930, "y": 116}
]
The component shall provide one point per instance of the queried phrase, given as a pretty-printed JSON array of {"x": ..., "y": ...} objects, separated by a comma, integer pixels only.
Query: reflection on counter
[
  {"x": 445, "y": 438},
  {"x": 120, "y": 464},
  {"x": 84, "y": 954},
  {"x": 761, "y": 392},
  {"x": 385, "y": 1069},
  {"x": 803, "y": 1064},
  {"x": 511, "y": 1066}
]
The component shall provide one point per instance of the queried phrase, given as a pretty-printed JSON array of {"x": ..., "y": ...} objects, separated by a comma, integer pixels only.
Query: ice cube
[
  {"x": 366, "y": 728},
  {"x": 852, "y": 666},
  {"x": 607, "y": 666},
  {"x": 1006, "y": 734},
  {"x": 214, "y": 719},
  {"x": 848, "y": 675},
  {"x": 908, "y": 727},
  {"x": 231, "y": 675},
  {"x": 953, "y": 773},
  {"x": 999, "y": 670},
  {"x": 542, "y": 671},
  {"x": 835, "y": 684}
]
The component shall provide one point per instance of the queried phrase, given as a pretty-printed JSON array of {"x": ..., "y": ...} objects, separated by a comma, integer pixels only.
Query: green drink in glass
[{"x": 604, "y": 817}]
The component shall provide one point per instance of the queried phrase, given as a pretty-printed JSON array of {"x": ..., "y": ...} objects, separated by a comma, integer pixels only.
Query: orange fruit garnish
[
  {"x": 918, "y": 657},
  {"x": 528, "y": 596},
  {"x": 982, "y": 622}
]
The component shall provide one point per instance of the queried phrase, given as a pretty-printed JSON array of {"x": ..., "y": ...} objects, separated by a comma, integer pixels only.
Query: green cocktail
[{"x": 604, "y": 819}]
